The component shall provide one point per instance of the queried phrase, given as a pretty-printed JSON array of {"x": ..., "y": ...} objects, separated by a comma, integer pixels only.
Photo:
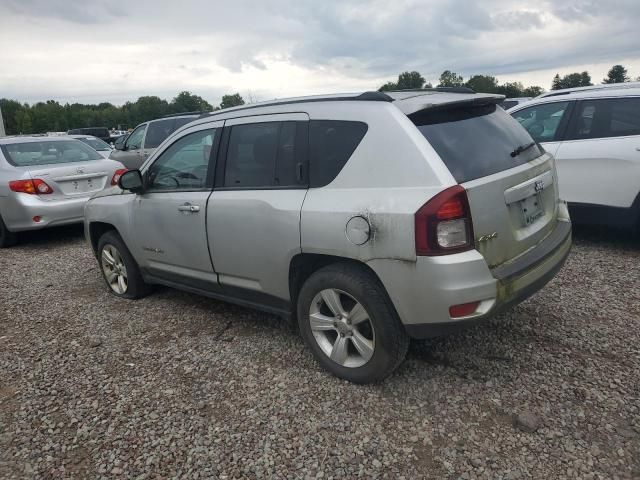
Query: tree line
[
  {"x": 51, "y": 116},
  {"x": 490, "y": 84}
]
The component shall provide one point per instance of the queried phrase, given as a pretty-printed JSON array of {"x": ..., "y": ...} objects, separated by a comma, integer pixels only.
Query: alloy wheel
[
  {"x": 114, "y": 269},
  {"x": 342, "y": 328}
]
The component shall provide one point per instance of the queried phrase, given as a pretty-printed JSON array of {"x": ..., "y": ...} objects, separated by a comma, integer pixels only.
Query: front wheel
[
  {"x": 349, "y": 324},
  {"x": 119, "y": 270}
]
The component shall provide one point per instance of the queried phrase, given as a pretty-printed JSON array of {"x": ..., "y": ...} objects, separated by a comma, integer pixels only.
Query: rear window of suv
[{"x": 476, "y": 141}]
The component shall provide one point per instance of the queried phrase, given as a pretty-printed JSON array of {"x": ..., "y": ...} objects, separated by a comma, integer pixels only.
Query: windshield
[
  {"x": 476, "y": 141},
  {"x": 96, "y": 143},
  {"x": 29, "y": 154}
]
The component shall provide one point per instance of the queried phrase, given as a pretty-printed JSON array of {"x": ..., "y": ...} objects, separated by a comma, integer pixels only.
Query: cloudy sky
[{"x": 113, "y": 50}]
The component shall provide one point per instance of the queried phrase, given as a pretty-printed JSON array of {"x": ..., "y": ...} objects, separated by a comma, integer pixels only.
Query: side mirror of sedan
[{"x": 132, "y": 181}]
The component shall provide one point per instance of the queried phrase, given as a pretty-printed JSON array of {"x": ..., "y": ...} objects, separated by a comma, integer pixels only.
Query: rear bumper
[
  {"x": 19, "y": 209},
  {"x": 430, "y": 286}
]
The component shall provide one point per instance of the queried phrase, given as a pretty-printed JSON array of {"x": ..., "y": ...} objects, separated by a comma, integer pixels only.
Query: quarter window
[
  {"x": 331, "y": 144},
  {"x": 263, "y": 155},
  {"x": 542, "y": 121},
  {"x": 185, "y": 164},
  {"x": 612, "y": 117}
]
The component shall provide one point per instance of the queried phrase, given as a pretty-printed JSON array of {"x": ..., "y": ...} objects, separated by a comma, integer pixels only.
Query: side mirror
[
  {"x": 132, "y": 181},
  {"x": 119, "y": 145}
]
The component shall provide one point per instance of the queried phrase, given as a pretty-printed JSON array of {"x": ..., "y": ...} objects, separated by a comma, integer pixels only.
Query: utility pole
[{"x": 2, "y": 132}]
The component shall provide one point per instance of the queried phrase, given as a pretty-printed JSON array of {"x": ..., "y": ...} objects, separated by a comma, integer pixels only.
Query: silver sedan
[{"x": 46, "y": 181}]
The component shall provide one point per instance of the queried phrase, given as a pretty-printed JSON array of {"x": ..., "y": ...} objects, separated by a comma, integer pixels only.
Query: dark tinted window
[
  {"x": 331, "y": 144},
  {"x": 614, "y": 117},
  {"x": 251, "y": 155},
  {"x": 265, "y": 155},
  {"x": 100, "y": 132},
  {"x": 286, "y": 159},
  {"x": 159, "y": 130},
  {"x": 507, "y": 104},
  {"x": 542, "y": 121},
  {"x": 474, "y": 142}
]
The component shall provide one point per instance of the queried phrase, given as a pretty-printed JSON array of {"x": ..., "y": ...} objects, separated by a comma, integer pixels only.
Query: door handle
[
  {"x": 638, "y": 149},
  {"x": 187, "y": 207}
]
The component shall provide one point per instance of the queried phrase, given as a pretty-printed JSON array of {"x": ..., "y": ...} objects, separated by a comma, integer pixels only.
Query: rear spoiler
[{"x": 414, "y": 105}]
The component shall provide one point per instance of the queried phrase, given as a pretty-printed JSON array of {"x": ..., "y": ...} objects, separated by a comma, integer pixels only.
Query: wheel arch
[
  {"x": 303, "y": 265},
  {"x": 97, "y": 230}
]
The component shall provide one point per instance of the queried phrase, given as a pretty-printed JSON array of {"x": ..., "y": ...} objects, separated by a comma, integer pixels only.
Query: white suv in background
[{"x": 594, "y": 133}]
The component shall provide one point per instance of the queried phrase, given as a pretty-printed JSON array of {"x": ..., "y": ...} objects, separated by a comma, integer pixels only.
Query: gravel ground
[{"x": 177, "y": 385}]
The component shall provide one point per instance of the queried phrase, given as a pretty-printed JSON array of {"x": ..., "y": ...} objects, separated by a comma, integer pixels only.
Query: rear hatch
[{"x": 510, "y": 181}]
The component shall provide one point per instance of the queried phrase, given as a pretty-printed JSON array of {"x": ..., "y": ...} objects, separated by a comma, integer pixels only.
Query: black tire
[
  {"x": 136, "y": 287},
  {"x": 7, "y": 238},
  {"x": 390, "y": 341}
]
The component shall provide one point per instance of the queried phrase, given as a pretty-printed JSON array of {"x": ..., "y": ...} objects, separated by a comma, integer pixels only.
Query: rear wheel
[
  {"x": 348, "y": 323},
  {"x": 7, "y": 238},
  {"x": 119, "y": 270}
]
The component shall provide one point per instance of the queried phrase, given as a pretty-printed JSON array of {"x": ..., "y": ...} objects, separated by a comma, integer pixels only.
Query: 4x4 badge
[{"x": 486, "y": 238}]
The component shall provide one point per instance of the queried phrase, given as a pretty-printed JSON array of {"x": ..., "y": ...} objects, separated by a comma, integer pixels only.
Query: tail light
[
  {"x": 117, "y": 175},
  {"x": 32, "y": 187},
  {"x": 443, "y": 224}
]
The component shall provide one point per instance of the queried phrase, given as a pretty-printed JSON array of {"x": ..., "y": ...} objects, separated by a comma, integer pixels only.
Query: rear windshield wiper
[{"x": 522, "y": 148}]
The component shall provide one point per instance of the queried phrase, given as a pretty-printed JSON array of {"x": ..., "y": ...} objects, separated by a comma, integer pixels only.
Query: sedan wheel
[
  {"x": 342, "y": 328},
  {"x": 115, "y": 271}
]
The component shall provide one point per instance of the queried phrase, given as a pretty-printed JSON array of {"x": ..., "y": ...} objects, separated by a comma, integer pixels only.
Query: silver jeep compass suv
[{"x": 370, "y": 218}]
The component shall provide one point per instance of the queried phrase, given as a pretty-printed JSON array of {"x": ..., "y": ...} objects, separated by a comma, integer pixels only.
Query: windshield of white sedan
[
  {"x": 96, "y": 144},
  {"x": 29, "y": 154}
]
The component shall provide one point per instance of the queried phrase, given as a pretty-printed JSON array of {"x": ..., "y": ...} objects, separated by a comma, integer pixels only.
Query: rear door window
[
  {"x": 476, "y": 141},
  {"x": 160, "y": 130},
  {"x": 604, "y": 118},
  {"x": 331, "y": 144},
  {"x": 268, "y": 154},
  {"x": 542, "y": 121}
]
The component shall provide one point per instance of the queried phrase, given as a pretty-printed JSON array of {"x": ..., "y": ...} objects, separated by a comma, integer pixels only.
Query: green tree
[
  {"x": 482, "y": 83},
  {"x": 232, "y": 100},
  {"x": 532, "y": 91},
  {"x": 388, "y": 87},
  {"x": 406, "y": 81},
  {"x": 511, "y": 89},
  {"x": 571, "y": 80},
  {"x": 187, "y": 102},
  {"x": 10, "y": 109},
  {"x": 410, "y": 80},
  {"x": 617, "y": 74},
  {"x": 450, "y": 79}
]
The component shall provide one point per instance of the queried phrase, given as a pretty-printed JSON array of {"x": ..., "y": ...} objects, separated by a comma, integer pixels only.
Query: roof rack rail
[
  {"x": 199, "y": 112},
  {"x": 438, "y": 89},
  {"x": 371, "y": 96}
]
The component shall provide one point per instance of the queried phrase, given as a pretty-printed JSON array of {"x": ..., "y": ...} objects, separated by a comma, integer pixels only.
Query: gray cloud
[{"x": 167, "y": 46}]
